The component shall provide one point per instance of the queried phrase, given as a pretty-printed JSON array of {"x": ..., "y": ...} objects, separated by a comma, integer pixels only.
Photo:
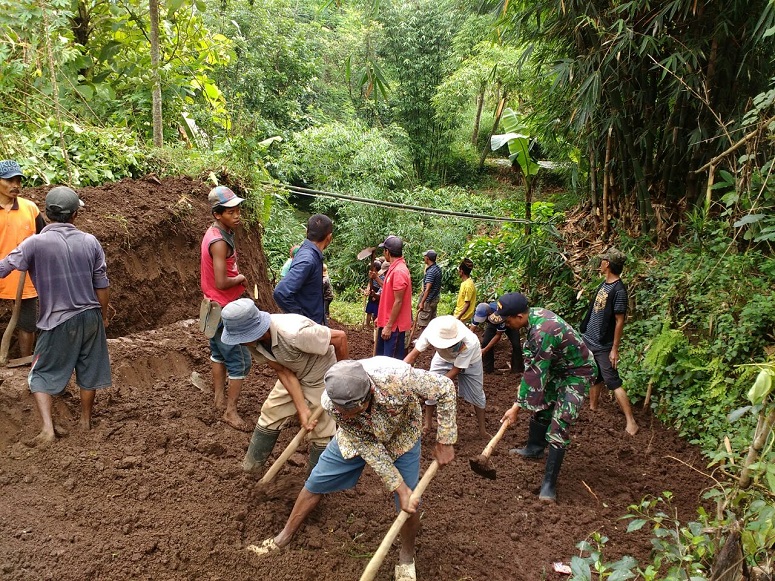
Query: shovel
[
  {"x": 481, "y": 464},
  {"x": 288, "y": 452},
  {"x": 5, "y": 343},
  {"x": 371, "y": 569}
]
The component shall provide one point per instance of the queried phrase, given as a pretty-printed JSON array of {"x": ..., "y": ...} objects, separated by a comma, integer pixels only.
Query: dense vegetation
[{"x": 658, "y": 118}]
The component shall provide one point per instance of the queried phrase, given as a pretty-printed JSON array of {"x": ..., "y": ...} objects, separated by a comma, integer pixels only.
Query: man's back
[
  {"x": 66, "y": 266},
  {"x": 301, "y": 290}
]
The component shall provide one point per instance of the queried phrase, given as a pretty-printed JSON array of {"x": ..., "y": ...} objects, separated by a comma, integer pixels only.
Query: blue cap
[
  {"x": 243, "y": 322},
  {"x": 223, "y": 196},
  {"x": 484, "y": 310},
  {"x": 10, "y": 169}
]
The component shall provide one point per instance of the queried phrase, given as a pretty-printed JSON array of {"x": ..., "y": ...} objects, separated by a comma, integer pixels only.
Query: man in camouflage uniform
[
  {"x": 376, "y": 403},
  {"x": 559, "y": 370}
]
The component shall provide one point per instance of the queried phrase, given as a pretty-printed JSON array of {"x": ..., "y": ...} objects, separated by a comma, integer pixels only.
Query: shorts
[
  {"x": 470, "y": 381},
  {"x": 605, "y": 372},
  {"x": 28, "y": 315},
  {"x": 372, "y": 307},
  {"x": 236, "y": 358},
  {"x": 428, "y": 313},
  {"x": 394, "y": 347},
  {"x": 79, "y": 344},
  {"x": 334, "y": 473}
]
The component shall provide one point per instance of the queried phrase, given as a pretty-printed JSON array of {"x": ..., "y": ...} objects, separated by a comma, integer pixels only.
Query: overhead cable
[{"x": 372, "y": 202}]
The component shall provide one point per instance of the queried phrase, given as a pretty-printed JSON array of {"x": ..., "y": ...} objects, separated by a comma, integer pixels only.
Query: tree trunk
[
  {"x": 593, "y": 180},
  {"x": 607, "y": 182},
  {"x": 478, "y": 119},
  {"x": 498, "y": 114},
  {"x": 158, "y": 133}
]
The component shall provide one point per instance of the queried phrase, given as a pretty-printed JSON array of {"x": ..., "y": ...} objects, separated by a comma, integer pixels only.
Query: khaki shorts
[
  {"x": 278, "y": 408},
  {"x": 427, "y": 313}
]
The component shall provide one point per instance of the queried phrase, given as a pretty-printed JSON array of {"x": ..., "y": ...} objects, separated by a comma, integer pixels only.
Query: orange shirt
[{"x": 17, "y": 224}]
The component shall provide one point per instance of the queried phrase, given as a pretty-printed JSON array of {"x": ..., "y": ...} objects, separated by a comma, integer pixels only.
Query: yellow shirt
[
  {"x": 467, "y": 293},
  {"x": 16, "y": 224}
]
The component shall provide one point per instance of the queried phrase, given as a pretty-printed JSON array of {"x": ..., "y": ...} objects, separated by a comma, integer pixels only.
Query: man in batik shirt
[
  {"x": 376, "y": 403},
  {"x": 559, "y": 369}
]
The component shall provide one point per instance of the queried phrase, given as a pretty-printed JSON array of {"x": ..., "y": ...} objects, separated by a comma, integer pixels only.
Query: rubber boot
[
  {"x": 315, "y": 450},
  {"x": 261, "y": 445},
  {"x": 553, "y": 464},
  {"x": 536, "y": 441}
]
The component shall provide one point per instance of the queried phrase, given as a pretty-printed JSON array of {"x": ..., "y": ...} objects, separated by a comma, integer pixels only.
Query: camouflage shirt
[
  {"x": 391, "y": 425},
  {"x": 554, "y": 352}
]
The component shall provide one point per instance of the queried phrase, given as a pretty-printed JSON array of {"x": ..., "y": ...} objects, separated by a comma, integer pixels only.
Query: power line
[{"x": 372, "y": 202}]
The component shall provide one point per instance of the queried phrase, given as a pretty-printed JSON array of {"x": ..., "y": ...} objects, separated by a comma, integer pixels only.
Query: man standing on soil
[
  {"x": 466, "y": 298},
  {"x": 301, "y": 290},
  {"x": 394, "y": 317},
  {"x": 559, "y": 369},
  {"x": 221, "y": 284},
  {"x": 20, "y": 219},
  {"x": 494, "y": 330},
  {"x": 375, "y": 403},
  {"x": 300, "y": 351},
  {"x": 457, "y": 356},
  {"x": 602, "y": 331},
  {"x": 431, "y": 290},
  {"x": 69, "y": 270}
]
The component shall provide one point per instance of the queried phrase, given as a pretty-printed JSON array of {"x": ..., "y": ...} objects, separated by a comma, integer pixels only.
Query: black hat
[{"x": 512, "y": 304}]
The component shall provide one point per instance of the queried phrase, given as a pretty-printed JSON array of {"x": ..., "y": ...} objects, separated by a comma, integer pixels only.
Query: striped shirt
[{"x": 432, "y": 276}]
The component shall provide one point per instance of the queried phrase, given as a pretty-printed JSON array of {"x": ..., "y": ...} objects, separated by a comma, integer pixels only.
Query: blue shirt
[
  {"x": 301, "y": 290},
  {"x": 433, "y": 276},
  {"x": 66, "y": 266}
]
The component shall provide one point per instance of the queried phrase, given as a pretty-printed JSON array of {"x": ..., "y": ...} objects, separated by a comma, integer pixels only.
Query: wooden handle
[
  {"x": 288, "y": 452},
  {"x": 5, "y": 343},
  {"x": 496, "y": 438},
  {"x": 376, "y": 561}
]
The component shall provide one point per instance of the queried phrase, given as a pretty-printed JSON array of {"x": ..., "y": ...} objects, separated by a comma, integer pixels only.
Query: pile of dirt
[{"x": 155, "y": 489}]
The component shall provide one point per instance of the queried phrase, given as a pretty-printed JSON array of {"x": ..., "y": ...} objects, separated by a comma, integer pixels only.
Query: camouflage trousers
[{"x": 564, "y": 398}]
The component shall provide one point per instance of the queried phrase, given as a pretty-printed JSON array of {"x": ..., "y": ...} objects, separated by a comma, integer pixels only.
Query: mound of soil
[{"x": 155, "y": 490}]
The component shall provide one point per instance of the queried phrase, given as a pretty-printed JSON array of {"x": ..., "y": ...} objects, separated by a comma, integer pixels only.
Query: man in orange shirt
[{"x": 19, "y": 219}]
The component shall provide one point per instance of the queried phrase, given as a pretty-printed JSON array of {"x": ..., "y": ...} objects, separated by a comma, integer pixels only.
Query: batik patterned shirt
[
  {"x": 392, "y": 424},
  {"x": 554, "y": 352}
]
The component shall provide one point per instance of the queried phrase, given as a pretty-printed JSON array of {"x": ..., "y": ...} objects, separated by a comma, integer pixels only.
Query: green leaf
[
  {"x": 636, "y": 525},
  {"x": 580, "y": 568},
  {"x": 749, "y": 219},
  {"x": 738, "y": 413},
  {"x": 85, "y": 91},
  {"x": 761, "y": 387}
]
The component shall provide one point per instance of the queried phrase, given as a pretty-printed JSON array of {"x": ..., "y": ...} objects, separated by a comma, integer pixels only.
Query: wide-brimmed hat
[
  {"x": 243, "y": 322},
  {"x": 445, "y": 331},
  {"x": 347, "y": 383}
]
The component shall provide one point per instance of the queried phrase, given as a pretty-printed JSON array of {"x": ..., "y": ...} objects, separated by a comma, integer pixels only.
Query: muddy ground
[{"x": 155, "y": 489}]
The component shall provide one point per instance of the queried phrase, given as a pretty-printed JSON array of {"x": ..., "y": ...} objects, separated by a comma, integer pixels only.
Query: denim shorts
[
  {"x": 333, "y": 473},
  {"x": 236, "y": 358}
]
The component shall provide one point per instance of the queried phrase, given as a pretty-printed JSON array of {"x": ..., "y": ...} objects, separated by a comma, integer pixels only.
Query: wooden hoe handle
[
  {"x": 288, "y": 452},
  {"x": 497, "y": 438},
  {"x": 371, "y": 569},
  {"x": 5, "y": 343}
]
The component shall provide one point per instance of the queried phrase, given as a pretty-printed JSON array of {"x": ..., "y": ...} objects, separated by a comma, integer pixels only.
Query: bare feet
[
  {"x": 60, "y": 431},
  {"x": 236, "y": 422},
  {"x": 85, "y": 424},
  {"x": 42, "y": 440},
  {"x": 632, "y": 428},
  {"x": 220, "y": 400},
  {"x": 267, "y": 546}
]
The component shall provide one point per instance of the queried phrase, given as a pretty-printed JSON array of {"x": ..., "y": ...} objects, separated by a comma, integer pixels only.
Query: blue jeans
[{"x": 393, "y": 347}]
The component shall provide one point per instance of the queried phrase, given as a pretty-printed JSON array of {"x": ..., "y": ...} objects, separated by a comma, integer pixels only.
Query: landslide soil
[{"x": 155, "y": 489}]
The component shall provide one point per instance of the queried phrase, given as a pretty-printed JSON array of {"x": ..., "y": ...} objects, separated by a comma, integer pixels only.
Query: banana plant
[{"x": 518, "y": 140}]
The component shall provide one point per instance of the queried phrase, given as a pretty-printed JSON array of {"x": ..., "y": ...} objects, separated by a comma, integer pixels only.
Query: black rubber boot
[
  {"x": 315, "y": 450},
  {"x": 261, "y": 445},
  {"x": 553, "y": 464},
  {"x": 536, "y": 441}
]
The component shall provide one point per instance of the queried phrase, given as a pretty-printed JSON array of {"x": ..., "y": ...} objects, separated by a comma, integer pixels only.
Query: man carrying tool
[
  {"x": 431, "y": 290},
  {"x": 375, "y": 403},
  {"x": 394, "y": 317},
  {"x": 301, "y": 290},
  {"x": 300, "y": 351},
  {"x": 69, "y": 270},
  {"x": 559, "y": 370},
  {"x": 221, "y": 284},
  {"x": 19, "y": 220},
  {"x": 458, "y": 356}
]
